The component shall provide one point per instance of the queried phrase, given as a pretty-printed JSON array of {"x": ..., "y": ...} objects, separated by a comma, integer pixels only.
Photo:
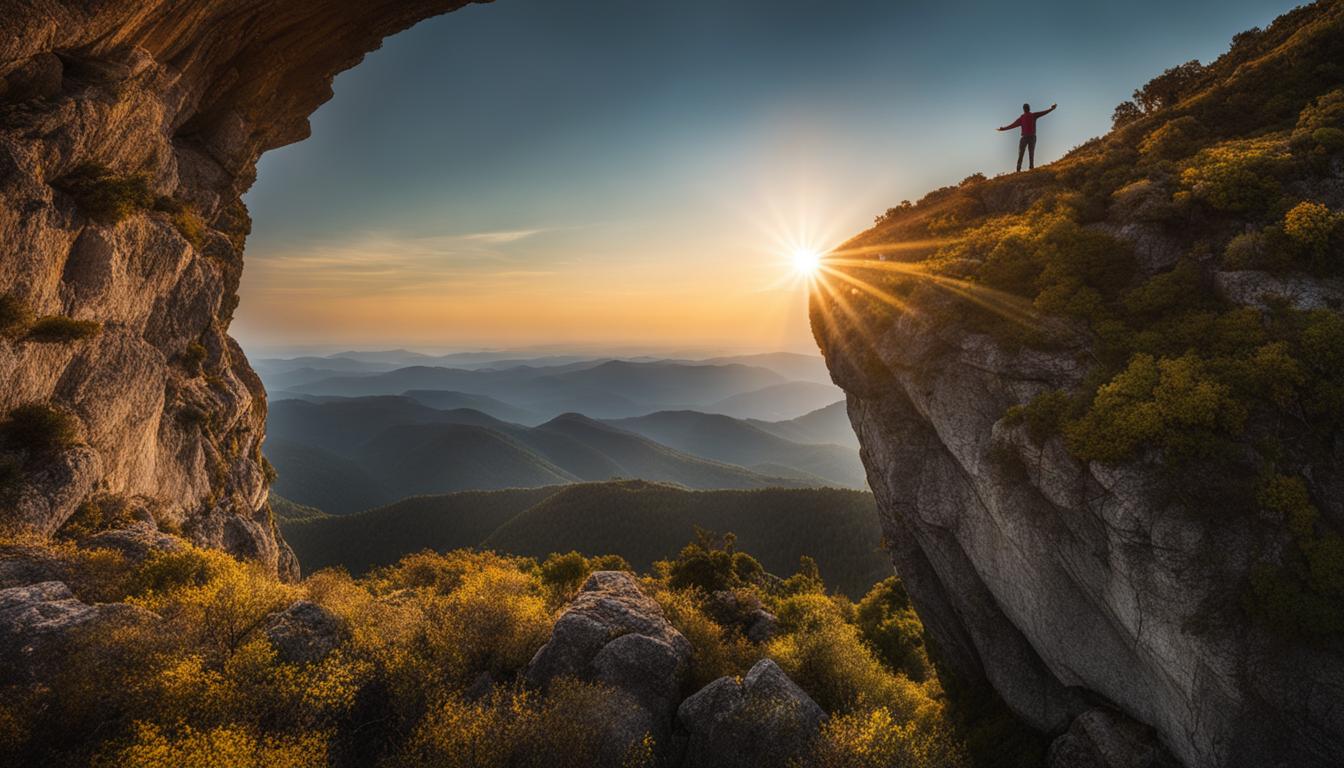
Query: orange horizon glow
[{"x": 743, "y": 286}]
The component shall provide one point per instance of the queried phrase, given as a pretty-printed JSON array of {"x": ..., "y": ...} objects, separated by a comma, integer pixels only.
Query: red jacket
[{"x": 1027, "y": 121}]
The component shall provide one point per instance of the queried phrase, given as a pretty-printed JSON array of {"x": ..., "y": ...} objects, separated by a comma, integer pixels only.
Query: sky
[{"x": 636, "y": 174}]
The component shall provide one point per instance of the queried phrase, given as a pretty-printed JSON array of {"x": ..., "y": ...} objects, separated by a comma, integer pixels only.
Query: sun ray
[
  {"x": 855, "y": 320},
  {"x": 869, "y": 289},
  {"x": 885, "y": 248},
  {"x": 1009, "y": 306}
]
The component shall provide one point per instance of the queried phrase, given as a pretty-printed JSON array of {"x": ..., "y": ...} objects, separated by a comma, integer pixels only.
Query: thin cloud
[{"x": 503, "y": 237}]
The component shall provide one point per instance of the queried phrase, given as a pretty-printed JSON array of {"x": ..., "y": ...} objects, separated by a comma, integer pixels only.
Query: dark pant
[{"x": 1026, "y": 144}]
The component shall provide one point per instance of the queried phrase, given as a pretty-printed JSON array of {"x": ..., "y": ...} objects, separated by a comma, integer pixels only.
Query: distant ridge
[
  {"x": 641, "y": 521},
  {"x": 345, "y": 455}
]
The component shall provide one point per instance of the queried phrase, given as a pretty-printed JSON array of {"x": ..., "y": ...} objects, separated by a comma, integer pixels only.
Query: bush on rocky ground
[
  {"x": 421, "y": 663},
  {"x": 105, "y": 196},
  {"x": 56, "y": 329}
]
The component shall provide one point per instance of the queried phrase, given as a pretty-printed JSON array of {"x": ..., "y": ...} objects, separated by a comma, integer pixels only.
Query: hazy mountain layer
[{"x": 345, "y": 455}]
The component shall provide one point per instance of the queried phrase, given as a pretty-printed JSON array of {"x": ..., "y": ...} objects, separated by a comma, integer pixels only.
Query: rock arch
[{"x": 128, "y": 133}]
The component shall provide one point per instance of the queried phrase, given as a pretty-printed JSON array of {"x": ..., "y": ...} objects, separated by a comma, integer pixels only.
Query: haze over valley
[{"x": 356, "y": 431}]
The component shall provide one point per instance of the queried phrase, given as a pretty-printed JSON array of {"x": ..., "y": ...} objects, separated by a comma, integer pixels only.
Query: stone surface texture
[
  {"x": 1069, "y": 586},
  {"x": 189, "y": 94},
  {"x": 612, "y": 633},
  {"x": 762, "y": 719}
]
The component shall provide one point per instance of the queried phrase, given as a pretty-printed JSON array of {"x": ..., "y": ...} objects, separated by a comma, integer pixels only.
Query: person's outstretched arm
[
  {"x": 1012, "y": 125},
  {"x": 1043, "y": 113}
]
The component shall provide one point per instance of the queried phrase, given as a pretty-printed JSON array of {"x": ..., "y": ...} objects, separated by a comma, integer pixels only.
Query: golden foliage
[
  {"x": 875, "y": 738},
  {"x": 204, "y": 686},
  {"x": 516, "y": 728},
  {"x": 233, "y": 746},
  {"x": 716, "y": 651}
]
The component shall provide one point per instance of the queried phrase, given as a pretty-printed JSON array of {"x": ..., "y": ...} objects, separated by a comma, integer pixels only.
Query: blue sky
[{"x": 603, "y": 172}]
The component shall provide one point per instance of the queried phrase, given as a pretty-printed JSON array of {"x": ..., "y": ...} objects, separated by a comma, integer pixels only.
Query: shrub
[
  {"x": 1329, "y": 139},
  {"x": 803, "y": 581},
  {"x": 14, "y": 316},
  {"x": 191, "y": 226},
  {"x": 39, "y": 430},
  {"x": 442, "y": 573},
  {"x": 1320, "y": 124},
  {"x": 185, "y": 219},
  {"x": 1166, "y": 292},
  {"x": 715, "y": 651},
  {"x": 154, "y": 746},
  {"x": 1043, "y": 415},
  {"x": 105, "y": 197},
  {"x": 712, "y": 566},
  {"x": 494, "y": 621},
  {"x": 214, "y": 601},
  {"x": 1174, "y": 404},
  {"x": 807, "y": 611},
  {"x": 841, "y": 674},
  {"x": 1173, "y": 139},
  {"x": 1267, "y": 249},
  {"x": 1143, "y": 200},
  {"x": 1236, "y": 177},
  {"x": 513, "y": 728},
  {"x": 1126, "y": 112},
  {"x": 564, "y": 574},
  {"x": 1302, "y": 596},
  {"x": 56, "y": 328},
  {"x": 1312, "y": 226},
  {"x": 204, "y": 686},
  {"x": 1170, "y": 87},
  {"x": 875, "y": 738},
  {"x": 98, "y": 513},
  {"x": 888, "y": 622}
]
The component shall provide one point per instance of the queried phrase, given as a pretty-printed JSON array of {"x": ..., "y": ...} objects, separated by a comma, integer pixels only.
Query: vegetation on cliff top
[
  {"x": 204, "y": 685},
  {"x": 1114, "y": 254}
]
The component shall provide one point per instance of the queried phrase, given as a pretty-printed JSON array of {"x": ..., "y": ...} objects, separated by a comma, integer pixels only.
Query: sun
[{"x": 806, "y": 261}]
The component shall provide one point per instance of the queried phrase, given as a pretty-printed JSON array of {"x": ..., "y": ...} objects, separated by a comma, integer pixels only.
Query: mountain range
[
  {"x": 354, "y": 430},
  {"x": 343, "y": 455},
  {"x": 531, "y": 390}
]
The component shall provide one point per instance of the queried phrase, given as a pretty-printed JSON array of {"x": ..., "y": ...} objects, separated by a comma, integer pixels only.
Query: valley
[{"x": 347, "y": 453}]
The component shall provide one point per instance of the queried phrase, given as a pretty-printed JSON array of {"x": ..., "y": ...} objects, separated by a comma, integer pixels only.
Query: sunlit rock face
[
  {"x": 189, "y": 94},
  {"x": 1064, "y": 585},
  {"x": 1103, "y": 609}
]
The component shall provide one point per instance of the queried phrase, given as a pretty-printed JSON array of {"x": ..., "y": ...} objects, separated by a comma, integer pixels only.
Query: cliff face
[
  {"x": 128, "y": 132},
  {"x": 1060, "y": 556},
  {"x": 1093, "y": 565}
]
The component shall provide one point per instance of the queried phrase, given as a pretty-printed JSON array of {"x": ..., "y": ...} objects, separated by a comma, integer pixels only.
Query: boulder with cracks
[{"x": 615, "y": 635}]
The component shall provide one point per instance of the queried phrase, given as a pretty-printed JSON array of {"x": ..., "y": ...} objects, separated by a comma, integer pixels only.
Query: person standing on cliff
[{"x": 1027, "y": 122}]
